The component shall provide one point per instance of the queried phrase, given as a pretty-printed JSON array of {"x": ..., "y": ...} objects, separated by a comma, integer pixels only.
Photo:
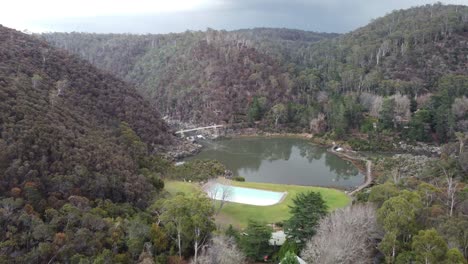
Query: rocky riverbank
[
  {"x": 418, "y": 149},
  {"x": 182, "y": 150}
]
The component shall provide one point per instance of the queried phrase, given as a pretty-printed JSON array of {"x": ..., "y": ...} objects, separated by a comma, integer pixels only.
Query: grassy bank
[{"x": 239, "y": 214}]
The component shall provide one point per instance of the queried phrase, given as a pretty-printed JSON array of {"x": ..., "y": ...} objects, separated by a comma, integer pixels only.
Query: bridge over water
[{"x": 181, "y": 132}]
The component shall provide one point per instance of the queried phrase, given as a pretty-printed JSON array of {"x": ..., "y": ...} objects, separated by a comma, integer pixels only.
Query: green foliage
[
  {"x": 420, "y": 126},
  {"x": 362, "y": 196},
  {"x": 337, "y": 118},
  {"x": 367, "y": 125},
  {"x": 405, "y": 257},
  {"x": 238, "y": 178},
  {"x": 188, "y": 219},
  {"x": 233, "y": 233},
  {"x": 360, "y": 144},
  {"x": 155, "y": 164},
  {"x": 387, "y": 117},
  {"x": 103, "y": 258},
  {"x": 307, "y": 210},
  {"x": 290, "y": 258},
  {"x": 455, "y": 256},
  {"x": 455, "y": 231},
  {"x": 254, "y": 243},
  {"x": 256, "y": 109},
  {"x": 289, "y": 246},
  {"x": 399, "y": 213},
  {"x": 429, "y": 247},
  {"x": 398, "y": 218},
  {"x": 390, "y": 245},
  {"x": 381, "y": 193},
  {"x": 159, "y": 239},
  {"x": 197, "y": 170},
  {"x": 132, "y": 141}
]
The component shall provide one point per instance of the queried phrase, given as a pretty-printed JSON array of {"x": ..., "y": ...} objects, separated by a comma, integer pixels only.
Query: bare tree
[
  {"x": 318, "y": 124},
  {"x": 423, "y": 100},
  {"x": 402, "y": 107},
  {"x": 452, "y": 185},
  {"x": 279, "y": 111},
  {"x": 322, "y": 97},
  {"x": 221, "y": 250},
  {"x": 219, "y": 191},
  {"x": 345, "y": 236},
  {"x": 372, "y": 103},
  {"x": 460, "y": 107},
  {"x": 212, "y": 189},
  {"x": 462, "y": 137}
]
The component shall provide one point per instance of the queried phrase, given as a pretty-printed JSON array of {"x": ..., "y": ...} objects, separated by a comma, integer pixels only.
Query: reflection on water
[{"x": 282, "y": 160}]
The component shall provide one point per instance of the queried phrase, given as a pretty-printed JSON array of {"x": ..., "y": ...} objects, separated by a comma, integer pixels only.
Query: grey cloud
[{"x": 314, "y": 15}]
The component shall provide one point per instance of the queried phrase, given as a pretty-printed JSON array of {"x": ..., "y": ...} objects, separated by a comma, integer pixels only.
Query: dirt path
[
  {"x": 368, "y": 175},
  {"x": 368, "y": 178}
]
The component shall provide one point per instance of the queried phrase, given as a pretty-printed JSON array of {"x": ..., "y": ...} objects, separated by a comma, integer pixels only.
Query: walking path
[{"x": 369, "y": 177}]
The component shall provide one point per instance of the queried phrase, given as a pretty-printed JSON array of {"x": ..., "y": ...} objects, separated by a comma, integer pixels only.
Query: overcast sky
[{"x": 163, "y": 16}]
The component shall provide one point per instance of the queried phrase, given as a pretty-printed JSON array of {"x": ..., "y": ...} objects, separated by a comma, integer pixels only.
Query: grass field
[{"x": 239, "y": 214}]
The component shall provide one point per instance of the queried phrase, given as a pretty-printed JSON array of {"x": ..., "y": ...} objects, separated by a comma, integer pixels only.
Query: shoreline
[
  {"x": 355, "y": 160},
  {"x": 368, "y": 177}
]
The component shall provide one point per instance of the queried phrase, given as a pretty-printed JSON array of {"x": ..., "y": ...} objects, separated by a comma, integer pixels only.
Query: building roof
[{"x": 277, "y": 238}]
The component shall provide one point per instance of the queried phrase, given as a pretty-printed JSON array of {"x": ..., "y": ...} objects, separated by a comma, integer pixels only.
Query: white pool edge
[{"x": 280, "y": 200}]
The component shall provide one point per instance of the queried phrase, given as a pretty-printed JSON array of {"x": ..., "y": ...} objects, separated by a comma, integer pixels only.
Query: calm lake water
[{"x": 282, "y": 160}]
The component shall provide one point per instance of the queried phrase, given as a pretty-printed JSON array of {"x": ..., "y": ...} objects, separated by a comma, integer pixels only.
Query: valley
[{"x": 109, "y": 142}]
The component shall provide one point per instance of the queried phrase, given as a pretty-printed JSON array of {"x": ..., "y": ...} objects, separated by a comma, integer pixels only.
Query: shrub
[
  {"x": 198, "y": 170},
  {"x": 239, "y": 178}
]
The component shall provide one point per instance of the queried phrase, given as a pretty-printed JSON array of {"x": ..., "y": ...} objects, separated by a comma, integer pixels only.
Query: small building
[
  {"x": 277, "y": 238},
  {"x": 179, "y": 163}
]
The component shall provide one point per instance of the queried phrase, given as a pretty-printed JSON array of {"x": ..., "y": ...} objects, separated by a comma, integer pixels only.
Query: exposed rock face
[
  {"x": 411, "y": 165},
  {"x": 419, "y": 148},
  {"x": 182, "y": 150}
]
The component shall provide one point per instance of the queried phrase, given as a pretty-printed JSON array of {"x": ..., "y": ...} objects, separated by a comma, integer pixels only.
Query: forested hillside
[
  {"x": 202, "y": 77},
  {"x": 72, "y": 138},
  {"x": 382, "y": 73}
]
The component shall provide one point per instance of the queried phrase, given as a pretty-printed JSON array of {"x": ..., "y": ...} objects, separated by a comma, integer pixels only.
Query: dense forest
[
  {"x": 67, "y": 147},
  {"x": 201, "y": 76},
  {"x": 405, "y": 72},
  {"x": 83, "y": 177}
]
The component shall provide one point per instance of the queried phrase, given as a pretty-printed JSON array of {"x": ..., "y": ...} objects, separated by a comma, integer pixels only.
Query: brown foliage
[
  {"x": 15, "y": 192},
  {"x": 60, "y": 239},
  {"x": 59, "y": 120}
]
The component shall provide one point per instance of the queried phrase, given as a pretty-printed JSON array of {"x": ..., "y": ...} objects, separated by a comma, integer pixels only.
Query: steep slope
[
  {"x": 302, "y": 81},
  {"x": 62, "y": 123},
  {"x": 411, "y": 48},
  {"x": 203, "y": 77}
]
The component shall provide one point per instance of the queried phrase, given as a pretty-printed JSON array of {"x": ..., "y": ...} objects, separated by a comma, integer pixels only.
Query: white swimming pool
[{"x": 243, "y": 195}]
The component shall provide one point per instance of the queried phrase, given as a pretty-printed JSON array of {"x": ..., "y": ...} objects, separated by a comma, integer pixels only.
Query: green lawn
[
  {"x": 174, "y": 187},
  {"x": 239, "y": 214}
]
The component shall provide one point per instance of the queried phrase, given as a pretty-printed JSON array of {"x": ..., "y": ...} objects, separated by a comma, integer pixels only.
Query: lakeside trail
[
  {"x": 368, "y": 178},
  {"x": 368, "y": 174}
]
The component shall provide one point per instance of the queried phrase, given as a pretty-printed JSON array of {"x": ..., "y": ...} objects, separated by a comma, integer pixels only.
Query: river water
[{"x": 282, "y": 160}]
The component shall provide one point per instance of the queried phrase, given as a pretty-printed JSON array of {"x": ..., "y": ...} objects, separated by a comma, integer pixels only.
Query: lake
[{"x": 282, "y": 160}]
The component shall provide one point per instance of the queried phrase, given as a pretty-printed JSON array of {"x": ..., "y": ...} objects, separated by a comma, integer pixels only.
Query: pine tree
[{"x": 308, "y": 209}]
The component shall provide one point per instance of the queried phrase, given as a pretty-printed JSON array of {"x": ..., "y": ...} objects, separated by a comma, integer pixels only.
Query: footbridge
[{"x": 181, "y": 132}]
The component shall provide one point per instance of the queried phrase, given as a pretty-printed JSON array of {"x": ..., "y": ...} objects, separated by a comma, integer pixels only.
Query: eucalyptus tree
[{"x": 189, "y": 220}]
